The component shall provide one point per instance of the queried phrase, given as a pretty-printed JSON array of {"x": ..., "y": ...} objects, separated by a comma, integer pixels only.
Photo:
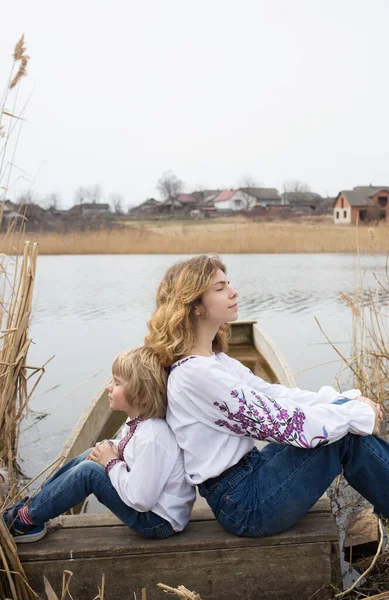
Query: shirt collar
[{"x": 135, "y": 421}]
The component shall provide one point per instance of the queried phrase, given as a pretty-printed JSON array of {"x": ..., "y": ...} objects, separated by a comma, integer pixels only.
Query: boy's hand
[{"x": 102, "y": 453}]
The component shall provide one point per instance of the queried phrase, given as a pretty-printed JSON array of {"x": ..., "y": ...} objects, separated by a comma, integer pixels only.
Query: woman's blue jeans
[
  {"x": 276, "y": 486},
  {"x": 78, "y": 478}
]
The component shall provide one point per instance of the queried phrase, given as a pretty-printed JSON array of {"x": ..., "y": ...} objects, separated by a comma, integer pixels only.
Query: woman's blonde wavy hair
[
  {"x": 173, "y": 324},
  {"x": 144, "y": 381}
]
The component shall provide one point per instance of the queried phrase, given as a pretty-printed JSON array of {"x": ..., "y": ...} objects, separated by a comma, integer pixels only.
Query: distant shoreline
[{"x": 224, "y": 236}]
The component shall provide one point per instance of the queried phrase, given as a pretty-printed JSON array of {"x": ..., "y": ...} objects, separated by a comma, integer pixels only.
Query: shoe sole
[{"x": 30, "y": 537}]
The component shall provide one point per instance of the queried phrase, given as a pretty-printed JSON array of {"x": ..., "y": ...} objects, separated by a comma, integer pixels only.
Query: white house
[{"x": 234, "y": 200}]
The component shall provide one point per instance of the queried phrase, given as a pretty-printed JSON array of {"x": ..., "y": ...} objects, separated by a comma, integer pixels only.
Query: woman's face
[{"x": 218, "y": 303}]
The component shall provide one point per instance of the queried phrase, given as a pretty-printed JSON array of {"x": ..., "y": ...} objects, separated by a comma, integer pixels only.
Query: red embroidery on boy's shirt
[
  {"x": 133, "y": 424},
  {"x": 111, "y": 463}
]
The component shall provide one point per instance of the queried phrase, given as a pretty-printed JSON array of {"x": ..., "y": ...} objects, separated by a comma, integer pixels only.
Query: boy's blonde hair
[
  {"x": 145, "y": 381},
  {"x": 172, "y": 327}
]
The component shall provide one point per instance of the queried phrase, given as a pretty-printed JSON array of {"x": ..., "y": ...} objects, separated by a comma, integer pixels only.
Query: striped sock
[{"x": 24, "y": 516}]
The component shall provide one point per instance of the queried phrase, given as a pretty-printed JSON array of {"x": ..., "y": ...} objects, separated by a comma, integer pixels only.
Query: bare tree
[
  {"x": 53, "y": 200},
  {"x": 80, "y": 195},
  {"x": 116, "y": 201},
  {"x": 297, "y": 192},
  {"x": 168, "y": 185},
  {"x": 91, "y": 193},
  {"x": 26, "y": 197},
  {"x": 247, "y": 187},
  {"x": 95, "y": 193}
]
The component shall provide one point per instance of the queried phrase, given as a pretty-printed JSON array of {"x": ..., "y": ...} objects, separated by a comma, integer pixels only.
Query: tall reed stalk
[
  {"x": 17, "y": 273},
  {"x": 16, "y": 303},
  {"x": 368, "y": 365},
  {"x": 369, "y": 362},
  {"x": 17, "y": 379}
]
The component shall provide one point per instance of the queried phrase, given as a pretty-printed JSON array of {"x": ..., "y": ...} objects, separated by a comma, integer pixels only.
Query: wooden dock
[{"x": 293, "y": 565}]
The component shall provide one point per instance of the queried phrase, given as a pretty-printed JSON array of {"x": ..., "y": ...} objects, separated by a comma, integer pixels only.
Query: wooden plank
[
  {"x": 199, "y": 535},
  {"x": 297, "y": 572},
  {"x": 108, "y": 519}
]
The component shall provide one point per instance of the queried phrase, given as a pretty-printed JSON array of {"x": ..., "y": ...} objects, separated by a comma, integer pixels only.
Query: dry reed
[
  {"x": 181, "y": 591},
  {"x": 20, "y": 57},
  {"x": 224, "y": 237},
  {"x": 17, "y": 380},
  {"x": 369, "y": 362},
  {"x": 14, "y": 394}
]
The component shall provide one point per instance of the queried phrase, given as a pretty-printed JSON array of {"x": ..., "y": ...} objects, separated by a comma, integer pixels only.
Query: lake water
[{"x": 89, "y": 308}]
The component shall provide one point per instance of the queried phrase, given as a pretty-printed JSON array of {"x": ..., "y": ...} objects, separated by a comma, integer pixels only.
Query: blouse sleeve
[
  {"x": 141, "y": 486},
  {"x": 224, "y": 400},
  {"x": 326, "y": 394}
]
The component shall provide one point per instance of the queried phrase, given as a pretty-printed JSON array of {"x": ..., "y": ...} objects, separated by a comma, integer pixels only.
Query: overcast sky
[{"x": 214, "y": 90}]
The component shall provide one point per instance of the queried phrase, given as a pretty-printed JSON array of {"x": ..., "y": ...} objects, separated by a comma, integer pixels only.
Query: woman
[{"x": 217, "y": 407}]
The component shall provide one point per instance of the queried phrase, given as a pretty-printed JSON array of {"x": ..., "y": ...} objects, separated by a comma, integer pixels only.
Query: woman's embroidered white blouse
[{"x": 216, "y": 406}]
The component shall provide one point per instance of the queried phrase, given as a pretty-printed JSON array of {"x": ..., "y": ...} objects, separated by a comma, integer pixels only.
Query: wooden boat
[{"x": 296, "y": 564}]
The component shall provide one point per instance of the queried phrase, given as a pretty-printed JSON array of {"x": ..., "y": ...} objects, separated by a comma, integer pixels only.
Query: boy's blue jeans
[
  {"x": 78, "y": 478},
  {"x": 276, "y": 486}
]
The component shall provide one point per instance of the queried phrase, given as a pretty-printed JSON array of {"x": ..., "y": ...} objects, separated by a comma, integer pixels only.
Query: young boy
[{"x": 140, "y": 477}]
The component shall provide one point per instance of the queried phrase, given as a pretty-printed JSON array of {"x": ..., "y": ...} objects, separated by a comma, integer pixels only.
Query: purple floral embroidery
[
  {"x": 181, "y": 362},
  {"x": 264, "y": 419}
]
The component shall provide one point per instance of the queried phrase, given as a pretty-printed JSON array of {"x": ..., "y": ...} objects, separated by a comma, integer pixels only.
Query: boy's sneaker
[{"x": 21, "y": 532}]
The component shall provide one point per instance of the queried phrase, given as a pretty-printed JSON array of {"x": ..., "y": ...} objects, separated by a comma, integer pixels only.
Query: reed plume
[{"x": 19, "y": 56}]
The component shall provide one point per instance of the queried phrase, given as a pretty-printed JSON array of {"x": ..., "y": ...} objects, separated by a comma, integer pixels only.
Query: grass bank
[{"x": 225, "y": 236}]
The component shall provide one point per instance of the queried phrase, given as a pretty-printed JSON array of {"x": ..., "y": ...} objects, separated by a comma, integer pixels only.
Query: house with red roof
[
  {"x": 247, "y": 198},
  {"x": 363, "y": 203},
  {"x": 234, "y": 200}
]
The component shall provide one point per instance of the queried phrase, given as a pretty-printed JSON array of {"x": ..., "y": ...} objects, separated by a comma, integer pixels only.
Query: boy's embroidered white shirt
[
  {"x": 152, "y": 476},
  {"x": 217, "y": 407}
]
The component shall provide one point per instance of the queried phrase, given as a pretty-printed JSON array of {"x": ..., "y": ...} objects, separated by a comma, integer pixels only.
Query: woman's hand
[
  {"x": 103, "y": 452},
  {"x": 379, "y": 415}
]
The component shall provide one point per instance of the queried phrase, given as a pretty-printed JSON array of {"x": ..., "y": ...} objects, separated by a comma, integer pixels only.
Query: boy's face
[{"x": 117, "y": 398}]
